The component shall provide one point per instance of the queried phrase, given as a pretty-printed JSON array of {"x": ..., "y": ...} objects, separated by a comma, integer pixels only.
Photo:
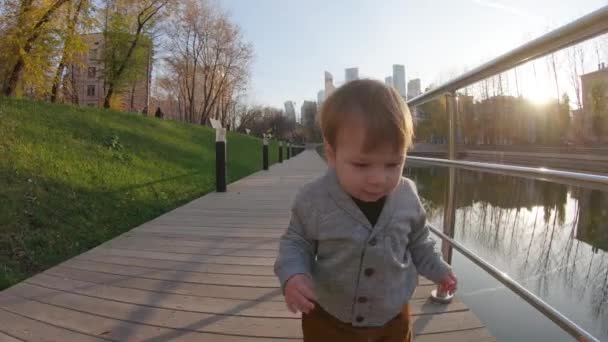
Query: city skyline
[
  {"x": 351, "y": 74},
  {"x": 289, "y": 61}
]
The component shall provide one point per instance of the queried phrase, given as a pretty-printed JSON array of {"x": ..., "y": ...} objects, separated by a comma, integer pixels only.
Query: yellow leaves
[{"x": 116, "y": 102}]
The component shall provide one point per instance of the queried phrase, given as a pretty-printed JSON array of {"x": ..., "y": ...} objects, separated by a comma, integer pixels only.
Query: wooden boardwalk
[{"x": 202, "y": 272}]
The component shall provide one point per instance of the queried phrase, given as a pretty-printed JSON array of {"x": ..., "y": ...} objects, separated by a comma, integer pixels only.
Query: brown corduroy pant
[{"x": 320, "y": 326}]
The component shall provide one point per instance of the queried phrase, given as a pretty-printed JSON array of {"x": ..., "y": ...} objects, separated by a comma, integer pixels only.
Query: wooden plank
[
  {"x": 181, "y": 237},
  {"x": 187, "y": 258},
  {"x": 240, "y": 252},
  {"x": 225, "y": 207},
  {"x": 28, "y": 329},
  {"x": 424, "y": 306},
  {"x": 214, "y": 232},
  {"x": 146, "y": 315},
  {"x": 210, "y": 223},
  {"x": 221, "y": 218},
  {"x": 167, "y": 301},
  {"x": 176, "y": 265},
  {"x": 68, "y": 321},
  {"x": 147, "y": 240},
  {"x": 178, "y": 276},
  {"x": 469, "y": 335},
  {"x": 8, "y": 338},
  {"x": 201, "y": 304},
  {"x": 271, "y": 232},
  {"x": 423, "y": 291},
  {"x": 446, "y": 322},
  {"x": 199, "y": 214},
  {"x": 164, "y": 286}
]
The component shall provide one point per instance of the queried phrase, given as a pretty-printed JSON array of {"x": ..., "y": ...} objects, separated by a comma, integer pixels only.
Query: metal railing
[
  {"x": 557, "y": 317},
  {"x": 587, "y": 27},
  {"x": 542, "y": 172}
]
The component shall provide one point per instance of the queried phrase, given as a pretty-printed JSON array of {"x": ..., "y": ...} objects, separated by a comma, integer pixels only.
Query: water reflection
[{"x": 551, "y": 238}]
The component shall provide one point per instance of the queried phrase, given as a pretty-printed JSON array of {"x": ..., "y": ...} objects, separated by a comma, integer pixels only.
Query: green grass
[{"x": 72, "y": 178}]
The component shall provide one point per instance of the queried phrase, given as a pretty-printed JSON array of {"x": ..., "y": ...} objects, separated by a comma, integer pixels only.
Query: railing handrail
[
  {"x": 587, "y": 27},
  {"x": 547, "y": 310},
  {"x": 541, "y": 171}
]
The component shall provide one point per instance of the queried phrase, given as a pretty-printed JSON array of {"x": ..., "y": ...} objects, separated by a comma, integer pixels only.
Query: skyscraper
[
  {"x": 308, "y": 113},
  {"x": 413, "y": 88},
  {"x": 290, "y": 110},
  {"x": 399, "y": 79},
  {"x": 351, "y": 74},
  {"x": 388, "y": 81},
  {"x": 320, "y": 97},
  {"x": 329, "y": 84}
]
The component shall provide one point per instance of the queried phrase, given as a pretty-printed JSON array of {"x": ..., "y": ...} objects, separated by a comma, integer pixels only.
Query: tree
[
  {"x": 599, "y": 108},
  {"x": 190, "y": 32},
  {"x": 553, "y": 64},
  {"x": 225, "y": 63},
  {"x": 263, "y": 120},
  {"x": 246, "y": 118},
  {"x": 564, "y": 116},
  {"x": 128, "y": 24},
  {"x": 77, "y": 14},
  {"x": 30, "y": 24},
  {"x": 434, "y": 123},
  {"x": 208, "y": 62},
  {"x": 159, "y": 113},
  {"x": 576, "y": 67}
]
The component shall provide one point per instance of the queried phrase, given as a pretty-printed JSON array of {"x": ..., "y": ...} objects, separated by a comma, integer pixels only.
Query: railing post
[
  {"x": 288, "y": 150},
  {"x": 220, "y": 159},
  {"x": 452, "y": 108},
  {"x": 265, "y": 153},
  {"x": 449, "y": 216},
  {"x": 280, "y": 151}
]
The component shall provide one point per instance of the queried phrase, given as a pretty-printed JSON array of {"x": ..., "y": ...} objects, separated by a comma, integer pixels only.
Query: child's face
[{"x": 367, "y": 176}]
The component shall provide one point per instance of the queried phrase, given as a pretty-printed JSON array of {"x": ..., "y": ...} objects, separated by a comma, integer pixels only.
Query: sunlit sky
[{"x": 296, "y": 41}]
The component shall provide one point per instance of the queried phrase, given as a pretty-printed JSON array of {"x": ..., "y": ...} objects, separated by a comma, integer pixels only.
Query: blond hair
[{"x": 386, "y": 116}]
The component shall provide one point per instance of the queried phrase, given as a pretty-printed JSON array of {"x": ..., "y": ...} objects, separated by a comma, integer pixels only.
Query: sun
[{"x": 539, "y": 91}]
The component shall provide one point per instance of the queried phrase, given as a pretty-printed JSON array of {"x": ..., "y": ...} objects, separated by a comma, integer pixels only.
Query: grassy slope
[{"x": 63, "y": 190}]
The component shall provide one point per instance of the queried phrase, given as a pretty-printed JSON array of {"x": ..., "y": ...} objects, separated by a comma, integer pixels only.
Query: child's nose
[{"x": 376, "y": 178}]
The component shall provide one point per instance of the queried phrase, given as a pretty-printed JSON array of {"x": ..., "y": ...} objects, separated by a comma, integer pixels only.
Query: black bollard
[
  {"x": 288, "y": 150},
  {"x": 265, "y": 154},
  {"x": 280, "y": 151},
  {"x": 220, "y": 160}
]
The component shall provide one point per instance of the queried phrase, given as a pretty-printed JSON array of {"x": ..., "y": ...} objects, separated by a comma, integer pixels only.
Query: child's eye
[
  {"x": 392, "y": 165},
  {"x": 360, "y": 165}
]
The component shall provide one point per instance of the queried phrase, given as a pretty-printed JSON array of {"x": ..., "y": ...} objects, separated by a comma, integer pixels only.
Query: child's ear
[{"x": 330, "y": 154}]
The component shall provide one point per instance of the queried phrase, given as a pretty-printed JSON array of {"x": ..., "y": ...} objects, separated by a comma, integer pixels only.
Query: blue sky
[{"x": 296, "y": 41}]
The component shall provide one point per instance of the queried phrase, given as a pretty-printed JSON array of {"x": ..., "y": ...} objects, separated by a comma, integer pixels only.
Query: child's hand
[
  {"x": 299, "y": 294},
  {"x": 449, "y": 284}
]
